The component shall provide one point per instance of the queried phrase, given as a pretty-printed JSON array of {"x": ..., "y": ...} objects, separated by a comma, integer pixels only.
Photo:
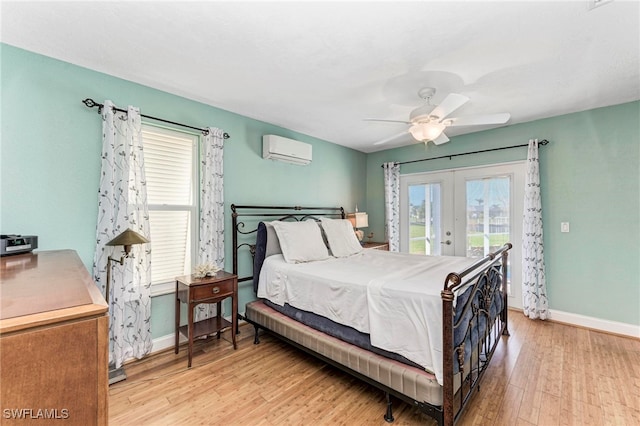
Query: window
[{"x": 171, "y": 174}]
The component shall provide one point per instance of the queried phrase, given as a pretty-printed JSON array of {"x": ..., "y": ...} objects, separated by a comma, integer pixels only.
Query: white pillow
[
  {"x": 300, "y": 241},
  {"x": 341, "y": 237},
  {"x": 273, "y": 245}
]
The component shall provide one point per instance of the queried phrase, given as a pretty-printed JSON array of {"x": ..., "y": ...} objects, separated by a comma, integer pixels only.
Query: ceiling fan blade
[
  {"x": 389, "y": 139},
  {"x": 452, "y": 102},
  {"x": 477, "y": 120},
  {"x": 387, "y": 121},
  {"x": 441, "y": 139}
]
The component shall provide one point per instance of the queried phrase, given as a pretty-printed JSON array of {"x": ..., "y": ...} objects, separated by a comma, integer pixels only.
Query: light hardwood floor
[{"x": 543, "y": 374}]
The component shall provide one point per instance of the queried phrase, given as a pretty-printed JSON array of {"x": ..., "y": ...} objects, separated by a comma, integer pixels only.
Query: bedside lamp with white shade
[{"x": 358, "y": 220}]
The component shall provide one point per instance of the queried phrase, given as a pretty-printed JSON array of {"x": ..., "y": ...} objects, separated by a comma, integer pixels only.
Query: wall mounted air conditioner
[{"x": 287, "y": 150}]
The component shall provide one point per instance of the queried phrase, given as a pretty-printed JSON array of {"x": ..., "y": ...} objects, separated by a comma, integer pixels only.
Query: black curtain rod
[
  {"x": 92, "y": 104},
  {"x": 542, "y": 142}
]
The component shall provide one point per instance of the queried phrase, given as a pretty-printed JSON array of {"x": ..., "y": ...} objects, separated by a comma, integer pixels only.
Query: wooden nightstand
[
  {"x": 215, "y": 289},
  {"x": 377, "y": 246}
]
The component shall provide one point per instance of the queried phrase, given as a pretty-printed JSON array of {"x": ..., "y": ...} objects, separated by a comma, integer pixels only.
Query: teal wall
[
  {"x": 50, "y": 158},
  {"x": 590, "y": 177},
  {"x": 49, "y": 167}
]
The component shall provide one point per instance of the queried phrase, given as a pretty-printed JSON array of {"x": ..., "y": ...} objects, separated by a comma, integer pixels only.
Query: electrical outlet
[{"x": 564, "y": 227}]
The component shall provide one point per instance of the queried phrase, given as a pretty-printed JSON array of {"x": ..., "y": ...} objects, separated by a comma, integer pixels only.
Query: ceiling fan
[{"x": 428, "y": 122}]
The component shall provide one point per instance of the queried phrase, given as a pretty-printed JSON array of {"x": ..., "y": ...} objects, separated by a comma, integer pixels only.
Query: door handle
[{"x": 448, "y": 242}]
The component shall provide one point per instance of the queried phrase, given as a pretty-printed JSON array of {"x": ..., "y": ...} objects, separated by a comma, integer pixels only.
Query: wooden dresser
[{"x": 53, "y": 341}]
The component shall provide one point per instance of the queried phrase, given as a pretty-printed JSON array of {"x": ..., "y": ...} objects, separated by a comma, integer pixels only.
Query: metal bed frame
[{"x": 458, "y": 386}]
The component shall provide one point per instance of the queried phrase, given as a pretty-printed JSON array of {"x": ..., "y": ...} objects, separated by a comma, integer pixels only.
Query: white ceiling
[{"x": 320, "y": 68}]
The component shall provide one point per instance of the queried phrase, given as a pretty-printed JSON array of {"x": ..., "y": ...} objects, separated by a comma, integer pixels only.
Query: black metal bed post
[
  {"x": 234, "y": 225},
  {"x": 505, "y": 296},
  {"x": 447, "y": 349},
  {"x": 388, "y": 416}
]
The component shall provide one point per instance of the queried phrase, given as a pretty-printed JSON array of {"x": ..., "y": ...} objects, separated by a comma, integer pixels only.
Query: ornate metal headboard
[{"x": 239, "y": 214}]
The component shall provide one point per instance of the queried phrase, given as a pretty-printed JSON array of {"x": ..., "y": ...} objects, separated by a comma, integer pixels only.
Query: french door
[{"x": 465, "y": 212}]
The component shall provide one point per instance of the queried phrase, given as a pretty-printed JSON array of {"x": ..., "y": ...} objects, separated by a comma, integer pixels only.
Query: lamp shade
[
  {"x": 127, "y": 239},
  {"x": 358, "y": 219}
]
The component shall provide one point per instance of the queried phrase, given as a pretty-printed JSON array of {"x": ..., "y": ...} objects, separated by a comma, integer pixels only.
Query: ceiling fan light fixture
[
  {"x": 425, "y": 132},
  {"x": 428, "y": 122}
]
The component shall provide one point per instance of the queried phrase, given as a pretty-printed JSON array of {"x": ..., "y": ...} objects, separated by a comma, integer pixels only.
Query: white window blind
[{"x": 170, "y": 171}]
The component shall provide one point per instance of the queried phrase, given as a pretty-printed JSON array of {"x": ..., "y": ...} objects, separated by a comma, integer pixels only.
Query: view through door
[{"x": 466, "y": 212}]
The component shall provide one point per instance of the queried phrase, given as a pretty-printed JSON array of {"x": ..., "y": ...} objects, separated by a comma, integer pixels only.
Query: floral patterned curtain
[
  {"x": 211, "y": 244},
  {"x": 534, "y": 287},
  {"x": 122, "y": 204},
  {"x": 392, "y": 204}
]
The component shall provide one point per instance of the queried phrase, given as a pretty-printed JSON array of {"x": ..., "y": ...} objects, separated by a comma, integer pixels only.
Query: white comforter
[{"x": 395, "y": 297}]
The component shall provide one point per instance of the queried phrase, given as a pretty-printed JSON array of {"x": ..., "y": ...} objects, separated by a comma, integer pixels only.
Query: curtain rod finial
[{"x": 89, "y": 102}]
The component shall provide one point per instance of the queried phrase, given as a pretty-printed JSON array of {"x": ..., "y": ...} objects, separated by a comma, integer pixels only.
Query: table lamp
[{"x": 359, "y": 220}]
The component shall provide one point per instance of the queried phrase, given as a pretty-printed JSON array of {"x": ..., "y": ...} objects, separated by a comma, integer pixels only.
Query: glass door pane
[
  {"x": 489, "y": 206},
  {"x": 488, "y": 215},
  {"x": 426, "y": 214},
  {"x": 425, "y": 219}
]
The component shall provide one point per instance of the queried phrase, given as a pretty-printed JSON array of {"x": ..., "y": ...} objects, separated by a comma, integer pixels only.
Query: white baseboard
[
  {"x": 165, "y": 342},
  {"x": 614, "y": 327}
]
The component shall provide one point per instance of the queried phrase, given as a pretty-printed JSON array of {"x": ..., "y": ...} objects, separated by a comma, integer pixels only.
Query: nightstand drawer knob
[{"x": 216, "y": 290}]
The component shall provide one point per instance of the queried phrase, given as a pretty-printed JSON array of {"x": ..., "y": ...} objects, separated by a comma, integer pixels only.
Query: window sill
[{"x": 161, "y": 289}]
